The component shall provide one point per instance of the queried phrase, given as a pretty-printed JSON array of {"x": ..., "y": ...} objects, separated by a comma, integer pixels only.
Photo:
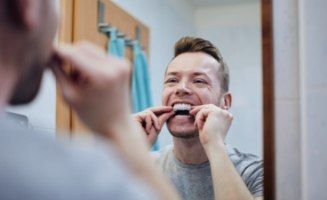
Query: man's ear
[
  {"x": 226, "y": 101},
  {"x": 25, "y": 13}
]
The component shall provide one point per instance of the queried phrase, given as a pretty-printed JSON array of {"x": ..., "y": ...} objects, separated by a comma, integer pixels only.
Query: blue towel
[
  {"x": 140, "y": 84},
  {"x": 141, "y": 93},
  {"x": 116, "y": 45}
]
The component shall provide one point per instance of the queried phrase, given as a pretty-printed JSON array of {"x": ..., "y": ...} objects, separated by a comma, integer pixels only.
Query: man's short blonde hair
[{"x": 192, "y": 44}]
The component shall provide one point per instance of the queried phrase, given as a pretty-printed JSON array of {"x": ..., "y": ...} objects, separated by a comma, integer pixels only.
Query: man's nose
[{"x": 183, "y": 89}]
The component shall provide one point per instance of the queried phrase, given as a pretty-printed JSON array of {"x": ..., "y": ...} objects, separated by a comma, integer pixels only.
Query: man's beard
[
  {"x": 182, "y": 133},
  {"x": 28, "y": 85},
  {"x": 185, "y": 136}
]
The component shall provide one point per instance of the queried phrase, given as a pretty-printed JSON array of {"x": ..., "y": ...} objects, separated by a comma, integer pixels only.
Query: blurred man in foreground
[{"x": 33, "y": 166}]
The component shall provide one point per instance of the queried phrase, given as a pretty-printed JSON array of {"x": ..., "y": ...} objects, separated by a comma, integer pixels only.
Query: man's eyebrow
[
  {"x": 175, "y": 73},
  {"x": 200, "y": 74},
  {"x": 172, "y": 73}
]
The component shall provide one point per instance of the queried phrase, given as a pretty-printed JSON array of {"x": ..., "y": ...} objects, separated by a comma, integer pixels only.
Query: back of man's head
[
  {"x": 27, "y": 30},
  {"x": 193, "y": 44}
]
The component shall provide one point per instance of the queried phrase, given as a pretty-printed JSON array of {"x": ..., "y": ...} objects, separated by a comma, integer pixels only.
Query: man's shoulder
[
  {"x": 163, "y": 155},
  {"x": 250, "y": 168},
  {"x": 247, "y": 164},
  {"x": 95, "y": 172},
  {"x": 240, "y": 158}
]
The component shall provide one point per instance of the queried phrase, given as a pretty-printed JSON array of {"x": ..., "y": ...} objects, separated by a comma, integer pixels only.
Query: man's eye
[
  {"x": 201, "y": 81},
  {"x": 171, "y": 80}
]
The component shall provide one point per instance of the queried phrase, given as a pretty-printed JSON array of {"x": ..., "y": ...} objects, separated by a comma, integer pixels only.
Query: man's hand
[
  {"x": 96, "y": 87},
  {"x": 152, "y": 120},
  {"x": 213, "y": 123}
]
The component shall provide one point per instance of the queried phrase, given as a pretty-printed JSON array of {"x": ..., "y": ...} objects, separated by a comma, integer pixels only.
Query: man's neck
[
  {"x": 189, "y": 151},
  {"x": 7, "y": 83}
]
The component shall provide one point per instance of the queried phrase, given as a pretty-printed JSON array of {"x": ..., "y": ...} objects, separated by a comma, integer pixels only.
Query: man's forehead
[
  {"x": 186, "y": 70},
  {"x": 201, "y": 69},
  {"x": 193, "y": 61}
]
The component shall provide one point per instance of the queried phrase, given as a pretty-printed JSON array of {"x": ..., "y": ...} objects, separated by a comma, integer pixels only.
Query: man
[
  {"x": 196, "y": 100},
  {"x": 33, "y": 166}
]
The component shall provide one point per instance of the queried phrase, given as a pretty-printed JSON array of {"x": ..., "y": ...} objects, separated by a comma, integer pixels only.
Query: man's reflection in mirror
[{"x": 195, "y": 106}]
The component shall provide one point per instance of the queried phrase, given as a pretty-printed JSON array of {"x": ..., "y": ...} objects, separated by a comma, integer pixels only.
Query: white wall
[
  {"x": 313, "y": 52},
  {"x": 236, "y": 30},
  {"x": 300, "y": 49},
  {"x": 168, "y": 21},
  {"x": 287, "y": 100}
]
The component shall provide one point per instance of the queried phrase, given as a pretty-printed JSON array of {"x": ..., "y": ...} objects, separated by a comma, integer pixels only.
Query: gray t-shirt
[
  {"x": 34, "y": 166},
  {"x": 194, "y": 182}
]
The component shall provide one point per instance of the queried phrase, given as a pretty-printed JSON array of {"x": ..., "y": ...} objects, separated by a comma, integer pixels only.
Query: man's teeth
[{"x": 181, "y": 106}]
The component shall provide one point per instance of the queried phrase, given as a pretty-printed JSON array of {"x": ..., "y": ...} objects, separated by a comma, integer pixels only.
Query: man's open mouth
[{"x": 182, "y": 108}]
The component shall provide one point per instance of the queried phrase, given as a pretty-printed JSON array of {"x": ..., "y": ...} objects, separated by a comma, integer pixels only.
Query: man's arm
[
  {"x": 227, "y": 182},
  {"x": 98, "y": 90},
  {"x": 213, "y": 124}
]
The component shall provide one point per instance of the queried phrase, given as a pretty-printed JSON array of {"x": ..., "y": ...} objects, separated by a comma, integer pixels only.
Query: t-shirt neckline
[{"x": 188, "y": 166}]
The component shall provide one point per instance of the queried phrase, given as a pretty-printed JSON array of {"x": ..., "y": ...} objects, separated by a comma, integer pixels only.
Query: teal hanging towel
[
  {"x": 116, "y": 45},
  {"x": 140, "y": 84},
  {"x": 141, "y": 92}
]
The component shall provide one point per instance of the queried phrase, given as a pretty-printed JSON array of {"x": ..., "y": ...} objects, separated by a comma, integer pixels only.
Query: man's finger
[
  {"x": 164, "y": 117},
  {"x": 148, "y": 123},
  {"x": 196, "y": 109},
  {"x": 66, "y": 86},
  {"x": 94, "y": 50},
  {"x": 201, "y": 117},
  {"x": 197, "y": 120},
  {"x": 79, "y": 59},
  {"x": 161, "y": 109},
  {"x": 155, "y": 120},
  {"x": 152, "y": 136}
]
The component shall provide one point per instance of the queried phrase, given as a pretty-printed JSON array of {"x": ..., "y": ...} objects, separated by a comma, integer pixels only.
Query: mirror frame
[{"x": 268, "y": 99}]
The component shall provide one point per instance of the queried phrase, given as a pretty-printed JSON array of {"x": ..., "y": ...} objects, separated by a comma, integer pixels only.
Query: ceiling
[{"x": 219, "y": 2}]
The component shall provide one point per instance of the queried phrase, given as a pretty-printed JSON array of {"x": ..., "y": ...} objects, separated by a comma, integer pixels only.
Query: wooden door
[{"x": 81, "y": 24}]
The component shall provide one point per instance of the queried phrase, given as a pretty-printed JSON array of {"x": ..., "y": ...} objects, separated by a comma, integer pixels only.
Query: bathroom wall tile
[
  {"x": 315, "y": 143},
  {"x": 287, "y": 150}
]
